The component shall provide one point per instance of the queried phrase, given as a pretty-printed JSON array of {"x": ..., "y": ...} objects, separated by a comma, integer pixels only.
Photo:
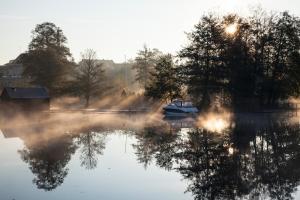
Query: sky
[{"x": 116, "y": 29}]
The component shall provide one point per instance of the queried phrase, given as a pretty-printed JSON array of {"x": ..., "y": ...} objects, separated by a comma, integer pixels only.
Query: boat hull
[{"x": 175, "y": 113}]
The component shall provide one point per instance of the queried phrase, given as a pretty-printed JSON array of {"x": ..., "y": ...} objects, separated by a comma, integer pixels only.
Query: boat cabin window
[
  {"x": 178, "y": 103},
  {"x": 187, "y": 104},
  {"x": 183, "y": 103}
]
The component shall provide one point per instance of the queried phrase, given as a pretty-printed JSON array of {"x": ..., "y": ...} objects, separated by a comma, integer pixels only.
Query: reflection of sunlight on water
[
  {"x": 215, "y": 122},
  {"x": 184, "y": 133},
  {"x": 230, "y": 150}
]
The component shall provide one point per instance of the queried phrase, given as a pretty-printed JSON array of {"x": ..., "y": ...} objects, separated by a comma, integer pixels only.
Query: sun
[{"x": 231, "y": 29}]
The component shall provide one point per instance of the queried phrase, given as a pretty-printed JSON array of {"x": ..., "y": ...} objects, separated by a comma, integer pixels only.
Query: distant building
[
  {"x": 119, "y": 74},
  {"x": 36, "y": 98},
  {"x": 11, "y": 75}
]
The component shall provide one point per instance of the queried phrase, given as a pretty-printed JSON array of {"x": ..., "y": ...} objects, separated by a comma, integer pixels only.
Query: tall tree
[
  {"x": 283, "y": 74},
  {"x": 144, "y": 65},
  {"x": 203, "y": 68},
  {"x": 165, "y": 84},
  {"x": 255, "y": 59},
  {"x": 260, "y": 28},
  {"x": 48, "y": 61},
  {"x": 89, "y": 76},
  {"x": 48, "y": 35},
  {"x": 236, "y": 56}
]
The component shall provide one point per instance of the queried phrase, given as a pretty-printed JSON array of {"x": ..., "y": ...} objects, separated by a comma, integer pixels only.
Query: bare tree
[
  {"x": 92, "y": 145},
  {"x": 89, "y": 76}
]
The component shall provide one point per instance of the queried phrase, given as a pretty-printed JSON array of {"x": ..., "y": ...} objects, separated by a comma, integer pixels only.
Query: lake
[{"x": 146, "y": 156}]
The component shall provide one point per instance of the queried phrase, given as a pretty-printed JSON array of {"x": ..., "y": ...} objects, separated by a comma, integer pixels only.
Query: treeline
[
  {"x": 239, "y": 60},
  {"x": 49, "y": 63}
]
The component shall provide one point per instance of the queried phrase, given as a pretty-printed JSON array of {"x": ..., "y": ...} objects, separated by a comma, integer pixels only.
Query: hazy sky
[{"x": 115, "y": 28}]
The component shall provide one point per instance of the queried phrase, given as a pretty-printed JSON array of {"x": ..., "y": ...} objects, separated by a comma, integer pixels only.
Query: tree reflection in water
[
  {"x": 48, "y": 160},
  {"x": 92, "y": 144},
  {"x": 245, "y": 161},
  {"x": 156, "y": 143}
]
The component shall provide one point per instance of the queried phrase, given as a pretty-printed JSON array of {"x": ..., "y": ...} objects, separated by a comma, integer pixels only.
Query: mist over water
[{"x": 217, "y": 155}]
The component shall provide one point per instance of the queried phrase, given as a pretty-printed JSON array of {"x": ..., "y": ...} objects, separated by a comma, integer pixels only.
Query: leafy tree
[
  {"x": 255, "y": 62},
  {"x": 144, "y": 65},
  {"x": 48, "y": 61},
  {"x": 89, "y": 76},
  {"x": 48, "y": 35},
  {"x": 236, "y": 56},
  {"x": 275, "y": 51},
  {"x": 165, "y": 84},
  {"x": 203, "y": 68},
  {"x": 283, "y": 73},
  {"x": 46, "y": 68},
  {"x": 260, "y": 50}
]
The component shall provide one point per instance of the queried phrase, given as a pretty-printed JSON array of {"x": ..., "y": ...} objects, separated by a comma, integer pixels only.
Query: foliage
[
  {"x": 282, "y": 75},
  {"x": 258, "y": 61},
  {"x": 144, "y": 65},
  {"x": 48, "y": 35},
  {"x": 203, "y": 69},
  {"x": 48, "y": 61},
  {"x": 165, "y": 84},
  {"x": 237, "y": 59},
  {"x": 46, "y": 68}
]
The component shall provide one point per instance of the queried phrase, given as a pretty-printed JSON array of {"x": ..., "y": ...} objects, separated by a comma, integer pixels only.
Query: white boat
[{"x": 180, "y": 108}]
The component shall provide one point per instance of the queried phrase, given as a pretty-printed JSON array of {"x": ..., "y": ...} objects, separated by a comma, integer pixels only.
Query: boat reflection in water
[
  {"x": 242, "y": 157},
  {"x": 179, "y": 108}
]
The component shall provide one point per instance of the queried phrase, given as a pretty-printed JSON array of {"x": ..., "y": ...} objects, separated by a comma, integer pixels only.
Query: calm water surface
[{"x": 96, "y": 156}]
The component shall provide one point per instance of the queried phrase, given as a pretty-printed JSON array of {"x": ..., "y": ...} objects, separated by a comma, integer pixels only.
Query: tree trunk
[{"x": 87, "y": 103}]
